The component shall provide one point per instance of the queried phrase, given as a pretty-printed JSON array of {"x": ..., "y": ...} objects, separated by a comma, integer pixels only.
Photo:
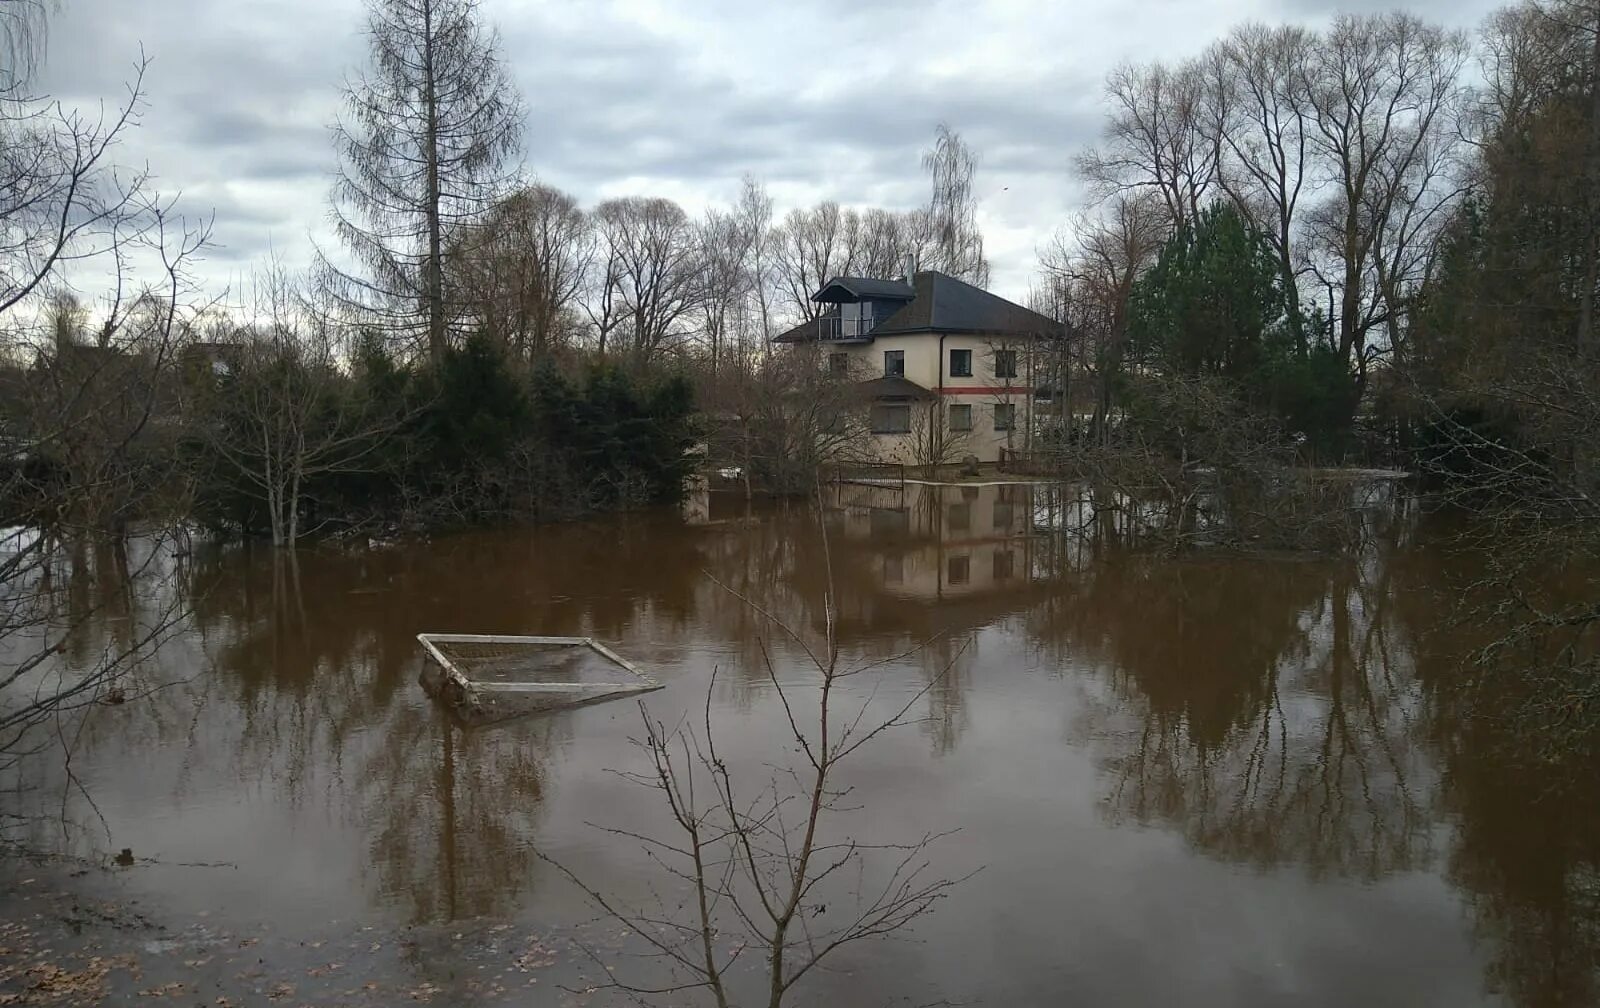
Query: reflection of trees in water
[
  {"x": 302, "y": 668},
  {"x": 322, "y": 669},
  {"x": 1258, "y": 706},
  {"x": 1526, "y": 847}
]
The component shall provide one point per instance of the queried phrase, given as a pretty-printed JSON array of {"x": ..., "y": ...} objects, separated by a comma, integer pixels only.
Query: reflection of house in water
[{"x": 940, "y": 541}]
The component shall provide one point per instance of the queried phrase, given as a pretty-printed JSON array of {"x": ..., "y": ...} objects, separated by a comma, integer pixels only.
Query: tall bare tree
[
  {"x": 518, "y": 274},
  {"x": 1091, "y": 274},
  {"x": 810, "y": 248},
  {"x": 1257, "y": 121},
  {"x": 423, "y": 142},
  {"x": 1383, "y": 92},
  {"x": 727, "y": 243},
  {"x": 653, "y": 269},
  {"x": 953, "y": 208},
  {"x": 1153, "y": 140}
]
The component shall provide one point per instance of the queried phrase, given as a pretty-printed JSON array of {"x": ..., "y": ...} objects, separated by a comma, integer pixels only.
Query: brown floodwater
[{"x": 1209, "y": 780}]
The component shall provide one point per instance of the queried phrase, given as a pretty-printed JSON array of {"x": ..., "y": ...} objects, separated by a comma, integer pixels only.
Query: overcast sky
[{"x": 821, "y": 99}]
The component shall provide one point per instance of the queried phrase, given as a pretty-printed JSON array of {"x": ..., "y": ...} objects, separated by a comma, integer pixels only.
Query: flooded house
[{"x": 944, "y": 370}]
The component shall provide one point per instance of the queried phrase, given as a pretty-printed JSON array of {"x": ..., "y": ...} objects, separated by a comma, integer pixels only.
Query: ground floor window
[
  {"x": 1004, "y": 414},
  {"x": 891, "y": 418},
  {"x": 960, "y": 417},
  {"x": 838, "y": 363},
  {"x": 958, "y": 570}
]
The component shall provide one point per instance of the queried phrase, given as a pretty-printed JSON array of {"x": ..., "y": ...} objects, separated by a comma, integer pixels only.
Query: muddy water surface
[{"x": 1206, "y": 781}]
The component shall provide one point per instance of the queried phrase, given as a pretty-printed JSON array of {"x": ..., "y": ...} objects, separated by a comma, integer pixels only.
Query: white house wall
[{"x": 923, "y": 364}]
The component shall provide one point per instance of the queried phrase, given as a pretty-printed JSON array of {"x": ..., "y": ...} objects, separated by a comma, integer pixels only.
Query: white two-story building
[{"x": 943, "y": 368}]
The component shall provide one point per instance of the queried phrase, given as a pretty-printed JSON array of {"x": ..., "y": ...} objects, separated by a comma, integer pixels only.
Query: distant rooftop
[{"x": 934, "y": 302}]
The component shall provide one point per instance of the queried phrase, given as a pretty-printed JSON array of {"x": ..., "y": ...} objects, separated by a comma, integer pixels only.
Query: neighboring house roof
[
  {"x": 847, "y": 288},
  {"x": 893, "y": 388},
  {"x": 941, "y": 304}
]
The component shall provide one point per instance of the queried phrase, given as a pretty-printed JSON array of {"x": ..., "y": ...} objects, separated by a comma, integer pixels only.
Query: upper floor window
[
  {"x": 894, "y": 363},
  {"x": 1005, "y": 363},
  {"x": 961, "y": 363}
]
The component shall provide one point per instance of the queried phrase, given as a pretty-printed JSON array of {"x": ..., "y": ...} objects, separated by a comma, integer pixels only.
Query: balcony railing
[{"x": 837, "y": 327}]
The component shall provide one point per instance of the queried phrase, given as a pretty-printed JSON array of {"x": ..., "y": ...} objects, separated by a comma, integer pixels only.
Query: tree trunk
[{"x": 433, "y": 272}]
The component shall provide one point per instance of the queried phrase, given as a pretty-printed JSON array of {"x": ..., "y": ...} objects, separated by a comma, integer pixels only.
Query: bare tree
[
  {"x": 932, "y": 443},
  {"x": 953, "y": 208},
  {"x": 761, "y": 860},
  {"x": 1153, "y": 140},
  {"x": 653, "y": 270},
  {"x": 62, "y": 200},
  {"x": 754, "y": 211},
  {"x": 1092, "y": 274},
  {"x": 23, "y": 27},
  {"x": 81, "y": 453},
  {"x": 423, "y": 142},
  {"x": 1383, "y": 91},
  {"x": 810, "y": 248},
  {"x": 519, "y": 272},
  {"x": 281, "y": 414},
  {"x": 727, "y": 247},
  {"x": 1258, "y": 120}
]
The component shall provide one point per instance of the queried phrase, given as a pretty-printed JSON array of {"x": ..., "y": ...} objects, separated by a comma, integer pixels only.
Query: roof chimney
[{"x": 910, "y": 266}]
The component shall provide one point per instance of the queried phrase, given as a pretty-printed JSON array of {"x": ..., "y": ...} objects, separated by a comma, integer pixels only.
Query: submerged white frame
[{"x": 581, "y": 692}]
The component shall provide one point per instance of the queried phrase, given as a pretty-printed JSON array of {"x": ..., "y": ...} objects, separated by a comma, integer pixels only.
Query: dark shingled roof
[
  {"x": 856, "y": 288},
  {"x": 945, "y": 304},
  {"x": 941, "y": 304}
]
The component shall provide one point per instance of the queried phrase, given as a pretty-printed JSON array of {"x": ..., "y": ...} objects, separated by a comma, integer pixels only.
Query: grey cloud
[{"x": 821, "y": 98}]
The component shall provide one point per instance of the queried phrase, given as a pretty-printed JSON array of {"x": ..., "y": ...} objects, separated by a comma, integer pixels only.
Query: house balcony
[{"x": 836, "y": 327}]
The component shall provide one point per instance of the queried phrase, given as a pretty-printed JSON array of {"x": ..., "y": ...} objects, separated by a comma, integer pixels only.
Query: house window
[
  {"x": 959, "y": 517},
  {"x": 1004, "y": 414},
  {"x": 858, "y": 318},
  {"x": 894, "y": 569},
  {"x": 888, "y": 522},
  {"x": 894, "y": 363},
  {"x": 1003, "y": 515},
  {"x": 1002, "y": 565},
  {"x": 961, "y": 417},
  {"x": 892, "y": 418},
  {"x": 958, "y": 570},
  {"x": 838, "y": 363},
  {"x": 1005, "y": 363},
  {"x": 961, "y": 363}
]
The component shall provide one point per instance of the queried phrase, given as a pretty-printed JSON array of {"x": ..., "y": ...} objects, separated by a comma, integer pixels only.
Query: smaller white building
[{"x": 944, "y": 368}]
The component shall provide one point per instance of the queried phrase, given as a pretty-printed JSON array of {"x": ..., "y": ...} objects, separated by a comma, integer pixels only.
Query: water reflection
[{"x": 1287, "y": 714}]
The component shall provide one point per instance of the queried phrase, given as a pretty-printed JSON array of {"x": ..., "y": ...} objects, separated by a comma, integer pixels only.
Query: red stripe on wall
[{"x": 983, "y": 390}]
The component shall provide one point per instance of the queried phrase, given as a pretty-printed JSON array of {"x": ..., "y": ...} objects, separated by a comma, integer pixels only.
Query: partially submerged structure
[{"x": 489, "y": 677}]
